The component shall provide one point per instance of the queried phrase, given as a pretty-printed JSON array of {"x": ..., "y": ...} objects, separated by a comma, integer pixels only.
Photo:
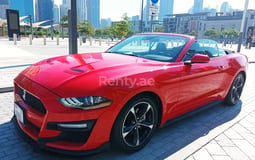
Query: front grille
[{"x": 31, "y": 100}]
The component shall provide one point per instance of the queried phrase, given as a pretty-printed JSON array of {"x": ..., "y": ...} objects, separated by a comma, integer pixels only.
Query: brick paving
[{"x": 218, "y": 133}]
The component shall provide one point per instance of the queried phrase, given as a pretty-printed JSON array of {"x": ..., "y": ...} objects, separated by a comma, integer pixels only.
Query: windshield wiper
[
  {"x": 123, "y": 53},
  {"x": 114, "y": 52}
]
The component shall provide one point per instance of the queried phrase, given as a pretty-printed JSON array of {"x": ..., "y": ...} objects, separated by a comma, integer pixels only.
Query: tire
[
  {"x": 235, "y": 90},
  {"x": 135, "y": 124}
]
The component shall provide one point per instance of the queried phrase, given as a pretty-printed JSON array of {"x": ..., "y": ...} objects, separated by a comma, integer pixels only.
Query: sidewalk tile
[
  {"x": 232, "y": 134},
  {"x": 221, "y": 158},
  {"x": 246, "y": 147},
  {"x": 235, "y": 153},
  {"x": 249, "y": 137},
  {"x": 190, "y": 158},
  {"x": 215, "y": 149},
  {"x": 251, "y": 120},
  {"x": 223, "y": 140},
  {"x": 202, "y": 154},
  {"x": 246, "y": 123},
  {"x": 240, "y": 129}
]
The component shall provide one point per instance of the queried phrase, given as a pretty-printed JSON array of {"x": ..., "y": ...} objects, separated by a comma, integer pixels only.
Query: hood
[{"x": 85, "y": 69}]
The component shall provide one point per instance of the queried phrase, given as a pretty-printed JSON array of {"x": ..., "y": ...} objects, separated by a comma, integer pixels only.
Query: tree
[
  {"x": 193, "y": 33},
  {"x": 85, "y": 28},
  {"x": 159, "y": 28},
  {"x": 99, "y": 32},
  {"x": 63, "y": 24},
  {"x": 122, "y": 28},
  {"x": 107, "y": 31},
  {"x": 230, "y": 33},
  {"x": 212, "y": 33}
]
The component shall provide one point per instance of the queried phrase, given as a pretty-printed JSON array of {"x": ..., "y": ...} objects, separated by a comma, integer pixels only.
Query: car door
[{"x": 200, "y": 82}]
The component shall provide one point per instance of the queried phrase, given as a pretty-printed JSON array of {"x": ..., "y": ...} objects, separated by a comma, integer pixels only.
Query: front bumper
[
  {"x": 41, "y": 143},
  {"x": 58, "y": 128}
]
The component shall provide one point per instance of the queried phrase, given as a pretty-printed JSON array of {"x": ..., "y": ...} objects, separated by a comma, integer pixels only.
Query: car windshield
[{"x": 165, "y": 48}]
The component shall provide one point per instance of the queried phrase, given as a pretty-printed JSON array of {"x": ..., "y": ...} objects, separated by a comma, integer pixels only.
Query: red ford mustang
[{"x": 79, "y": 103}]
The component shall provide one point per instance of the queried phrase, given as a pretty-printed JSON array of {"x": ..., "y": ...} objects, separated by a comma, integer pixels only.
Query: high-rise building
[
  {"x": 4, "y": 4},
  {"x": 106, "y": 22},
  {"x": 146, "y": 11},
  {"x": 63, "y": 10},
  {"x": 198, "y": 6},
  {"x": 225, "y": 7},
  {"x": 25, "y": 7},
  {"x": 93, "y": 12},
  {"x": 81, "y": 10},
  {"x": 146, "y": 16},
  {"x": 44, "y": 10},
  {"x": 166, "y": 7},
  {"x": 67, "y": 2},
  {"x": 56, "y": 14}
]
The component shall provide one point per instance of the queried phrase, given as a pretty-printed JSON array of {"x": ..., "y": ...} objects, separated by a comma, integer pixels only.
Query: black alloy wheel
[
  {"x": 135, "y": 124},
  {"x": 235, "y": 90}
]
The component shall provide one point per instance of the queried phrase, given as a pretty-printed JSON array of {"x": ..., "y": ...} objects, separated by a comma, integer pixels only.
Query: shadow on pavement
[{"x": 165, "y": 142}]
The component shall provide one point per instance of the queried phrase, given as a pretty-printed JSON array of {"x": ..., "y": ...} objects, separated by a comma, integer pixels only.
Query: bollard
[
  {"x": 44, "y": 40},
  {"x": 57, "y": 40},
  {"x": 90, "y": 41},
  {"x": 30, "y": 39},
  {"x": 100, "y": 41},
  {"x": 108, "y": 41},
  {"x": 80, "y": 39},
  {"x": 15, "y": 39},
  {"x": 231, "y": 44}
]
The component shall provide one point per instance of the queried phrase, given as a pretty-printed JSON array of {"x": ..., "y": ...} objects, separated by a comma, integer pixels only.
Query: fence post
[
  {"x": 15, "y": 39},
  {"x": 44, "y": 39},
  {"x": 57, "y": 39},
  {"x": 90, "y": 41},
  {"x": 108, "y": 41},
  {"x": 80, "y": 40},
  {"x": 100, "y": 41},
  {"x": 30, "y": 39}
]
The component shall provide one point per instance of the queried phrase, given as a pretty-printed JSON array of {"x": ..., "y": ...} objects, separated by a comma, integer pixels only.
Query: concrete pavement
[{"x": 218, "y": 133}]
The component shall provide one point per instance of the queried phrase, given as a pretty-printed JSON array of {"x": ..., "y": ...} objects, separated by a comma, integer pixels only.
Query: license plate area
[{"x": 19, "y": 113}]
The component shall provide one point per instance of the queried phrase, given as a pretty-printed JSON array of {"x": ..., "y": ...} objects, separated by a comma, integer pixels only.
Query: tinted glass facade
[{"x": 25, "y": 7}]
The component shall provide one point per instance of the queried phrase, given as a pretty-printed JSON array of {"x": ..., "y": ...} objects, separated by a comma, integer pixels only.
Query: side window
[
  {"x": 194, "y": 49},
  {"x": 210, "y": 47},
  {"x": 205, "y": 47}
]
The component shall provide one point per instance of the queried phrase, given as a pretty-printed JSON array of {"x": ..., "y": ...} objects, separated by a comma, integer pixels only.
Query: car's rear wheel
[
  {"x": 135, "y": 124},
  {"x": 235, "y": 90}
]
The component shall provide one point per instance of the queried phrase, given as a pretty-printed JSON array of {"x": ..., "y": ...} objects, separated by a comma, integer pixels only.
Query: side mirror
[{"x": 198, "y": 58}]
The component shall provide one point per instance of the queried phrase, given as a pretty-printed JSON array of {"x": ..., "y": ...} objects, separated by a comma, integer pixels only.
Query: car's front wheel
[
  {"x": 235, "y": 90},
  {"x": 135, "y": 124}
]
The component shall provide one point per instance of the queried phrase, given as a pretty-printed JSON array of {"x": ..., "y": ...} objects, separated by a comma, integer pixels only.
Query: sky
[{"x": 114, "y": 9}]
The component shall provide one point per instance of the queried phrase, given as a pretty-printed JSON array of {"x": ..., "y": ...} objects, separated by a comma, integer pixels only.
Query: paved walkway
[{"x": 218, "y": 133}]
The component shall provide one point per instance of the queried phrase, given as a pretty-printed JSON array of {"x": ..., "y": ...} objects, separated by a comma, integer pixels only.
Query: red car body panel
[{"x": 180, "y": 88}]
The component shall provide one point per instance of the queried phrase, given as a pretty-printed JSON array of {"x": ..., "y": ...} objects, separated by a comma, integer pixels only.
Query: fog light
[
  {"x": 86, "y": 125},
  {"x": 73, "y": 126}
]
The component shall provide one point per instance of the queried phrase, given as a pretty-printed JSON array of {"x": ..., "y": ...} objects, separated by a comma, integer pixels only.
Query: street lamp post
[
  {"x": 141, "y": 23},
  {"x": 31, "y": 24},
  {"x": 51, "y": 29},
  {"x": 72, "y": 21},
  {"x": 242, "y": 25}
]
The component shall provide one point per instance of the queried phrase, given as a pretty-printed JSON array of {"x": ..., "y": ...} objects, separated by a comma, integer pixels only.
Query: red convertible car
[{"x": 80, "y": 103}]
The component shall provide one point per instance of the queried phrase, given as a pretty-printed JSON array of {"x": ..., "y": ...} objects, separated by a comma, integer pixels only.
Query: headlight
[{"x": 86, "y": 103}]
